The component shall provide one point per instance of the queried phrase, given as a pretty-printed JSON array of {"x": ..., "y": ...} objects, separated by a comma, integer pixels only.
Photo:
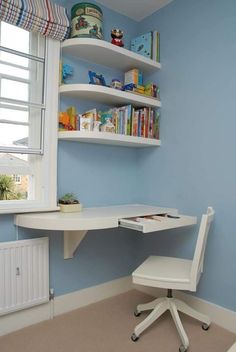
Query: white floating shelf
[
  {"x": 108, "y": 138},
  {"x": 107, "y": 54},
  {"x": 107, "y": 95}
]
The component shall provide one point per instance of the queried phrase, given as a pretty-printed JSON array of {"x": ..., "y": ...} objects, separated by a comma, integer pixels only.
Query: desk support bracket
[{"x": 72, "y": 240}]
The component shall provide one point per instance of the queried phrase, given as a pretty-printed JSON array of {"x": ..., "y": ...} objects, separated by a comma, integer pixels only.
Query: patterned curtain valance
[{"x": 37, "y": 16}]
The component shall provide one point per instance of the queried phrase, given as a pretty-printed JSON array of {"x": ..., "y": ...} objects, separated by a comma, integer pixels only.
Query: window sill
[{"x": 26, "y": 207}]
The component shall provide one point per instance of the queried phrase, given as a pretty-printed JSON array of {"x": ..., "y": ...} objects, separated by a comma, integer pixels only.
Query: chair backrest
[{"x": 198, "y": 258}]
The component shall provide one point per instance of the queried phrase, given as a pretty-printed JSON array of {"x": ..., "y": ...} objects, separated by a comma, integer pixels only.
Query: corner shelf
[
  {"x": 106, "y": 95},
  {"x": 108, "y": 138},
  {"x": 107, "y": 54}
]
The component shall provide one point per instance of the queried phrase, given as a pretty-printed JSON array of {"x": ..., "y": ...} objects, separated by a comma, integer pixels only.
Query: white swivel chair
[{"x": 173, "y": 273}]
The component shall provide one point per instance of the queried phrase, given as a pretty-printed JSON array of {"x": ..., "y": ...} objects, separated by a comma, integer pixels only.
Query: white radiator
[{"x": 24, "y": 274}]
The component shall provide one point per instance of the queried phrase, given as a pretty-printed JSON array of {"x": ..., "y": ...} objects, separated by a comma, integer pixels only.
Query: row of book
[
  {"x": 148, "y": 45},
  {"x": 143, "y": 122},
  {"x": 126, "y": 120}
]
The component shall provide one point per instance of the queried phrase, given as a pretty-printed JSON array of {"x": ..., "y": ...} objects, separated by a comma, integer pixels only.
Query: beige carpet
[{"x": 106, "y": 327}]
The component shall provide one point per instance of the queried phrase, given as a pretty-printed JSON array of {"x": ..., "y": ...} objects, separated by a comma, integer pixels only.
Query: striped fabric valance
[{"x": 37, "y": 16}]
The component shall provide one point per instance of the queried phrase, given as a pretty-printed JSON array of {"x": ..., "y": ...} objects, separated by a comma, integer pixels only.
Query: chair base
[{"x": 159, "y": 306}]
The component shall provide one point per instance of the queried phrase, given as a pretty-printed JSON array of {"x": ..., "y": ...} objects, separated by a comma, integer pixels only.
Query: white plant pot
[{"x": 70, "y": 208}]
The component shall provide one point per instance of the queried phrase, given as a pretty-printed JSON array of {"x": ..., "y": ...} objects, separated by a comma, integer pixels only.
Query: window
[
  {"x": 28, "y": 120},
  {"x": 16, "y": 179}
]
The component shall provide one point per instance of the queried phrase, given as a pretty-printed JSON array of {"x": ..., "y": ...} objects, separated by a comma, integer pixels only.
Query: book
[
  {"x": 135, "y": 123},
  {"x": 139, "y": 123},
  {"x": 86, "y": 123},
  {"x": 156, "y": 46},
  {"x": 121, "y": 121},
  {"x": 151, "y": 124},
  {"x": 105, "y": 115},
  {"x": 146, "y": 121},
  {"x": 115, "y": 118},
  {"x": 129, "y": 120},
  {"x": 156, "y": 125},
  {"x": 143, "y": 45},
  {"x": 87, "y": 120}
]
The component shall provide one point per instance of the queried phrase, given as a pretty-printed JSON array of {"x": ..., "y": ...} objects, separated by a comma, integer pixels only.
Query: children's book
[
  {"x": 105, "y": 115},
  {"x": 143, "y": 45},
  {"x": 156, "y": 124},
  {"x": 135, "y": 123},
  {"x": 115, "y": 118},
  {"x": 139, "y": 123},
  {"x": 142, "y": 117},
  {"x": 129, "y": 117},
  {"x": 87, "y": 120},
  {"x": 146, "y": 121},
  {"x": 151, "y": 124}
]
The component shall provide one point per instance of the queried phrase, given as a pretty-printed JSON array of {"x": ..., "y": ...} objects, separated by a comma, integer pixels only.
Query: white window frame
[
  {"x": 46, "y": 185},
  {"x": 17, "y": 179}
]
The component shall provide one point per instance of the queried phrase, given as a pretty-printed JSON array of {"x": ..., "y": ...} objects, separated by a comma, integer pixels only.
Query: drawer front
[{"x": 154, "y": 223}]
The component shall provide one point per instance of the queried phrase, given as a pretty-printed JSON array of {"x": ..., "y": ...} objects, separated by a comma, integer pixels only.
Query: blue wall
[
  {"x": 194, "y": 167},
  {"x": 99, "y": 175}
]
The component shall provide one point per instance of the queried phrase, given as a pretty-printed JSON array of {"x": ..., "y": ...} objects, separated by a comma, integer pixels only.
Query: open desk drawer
[{"x": 152, "y": 223}]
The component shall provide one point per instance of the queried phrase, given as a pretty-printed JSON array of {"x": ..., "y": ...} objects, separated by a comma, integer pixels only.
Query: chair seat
[{"x": 164, "y": 272}]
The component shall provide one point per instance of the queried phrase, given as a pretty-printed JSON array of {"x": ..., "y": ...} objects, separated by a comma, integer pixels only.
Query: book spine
[
  {"x": 156, "y": 124},
  {"x": 146, "y": 116},
  {"x": 150, "y": 132},
  {"x": 120, "y": 121},
  {"x": 139, "y": 123},
  {"x": 135, "y": 123},
  {"x": 142, "y": 123},
  {"x": 129, "y": 113},
  {"x": 124, "y": 122}
]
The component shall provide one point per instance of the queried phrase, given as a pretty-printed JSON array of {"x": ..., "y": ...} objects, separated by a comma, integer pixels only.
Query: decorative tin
[{"x": 86, "y": 21}]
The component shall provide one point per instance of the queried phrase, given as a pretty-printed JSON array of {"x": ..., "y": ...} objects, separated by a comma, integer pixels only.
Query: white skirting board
[
  {"x": 65, "y": 303},
  {"x": 90, "y": 295}
]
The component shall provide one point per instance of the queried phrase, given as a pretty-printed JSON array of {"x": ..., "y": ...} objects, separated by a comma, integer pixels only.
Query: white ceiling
[{"x": 135, "y": 9}]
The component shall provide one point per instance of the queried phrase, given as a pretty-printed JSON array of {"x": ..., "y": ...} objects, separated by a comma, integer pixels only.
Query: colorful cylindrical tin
[{"x": 86, "y": 21}]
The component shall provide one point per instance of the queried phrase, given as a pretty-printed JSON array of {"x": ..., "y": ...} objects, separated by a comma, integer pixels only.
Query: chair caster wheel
[
  {"x": 205, "y": 326},
  {"x": 182, "y": 348},
  {"x": 134, "y": 337},
  {"x": 137, "y": 313}
]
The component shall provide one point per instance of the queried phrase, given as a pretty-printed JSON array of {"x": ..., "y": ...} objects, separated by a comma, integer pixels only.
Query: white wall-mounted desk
[{"x": 76, "y": 225}]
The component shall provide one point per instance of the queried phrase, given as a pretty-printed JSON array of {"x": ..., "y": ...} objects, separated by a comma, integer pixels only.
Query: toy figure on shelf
[
  {"x": 68, "y": 120},
  {"x": 130, "y": 86},
  {"x": 108, "y": 126},
  {"x": 66, "y": 71},
  {"x": 116, "y": 84},
  {"x": 64, "y": 122},
  {"x": 117, "y": 35},
  {"x": 95, "y": 78}
]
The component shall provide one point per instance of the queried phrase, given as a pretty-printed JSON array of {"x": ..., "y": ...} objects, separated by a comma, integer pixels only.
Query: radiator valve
[{"x": 51, "y": 294}]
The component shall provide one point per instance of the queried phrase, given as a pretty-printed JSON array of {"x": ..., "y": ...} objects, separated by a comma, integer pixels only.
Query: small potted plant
[{"x": 69, "y": 203}]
